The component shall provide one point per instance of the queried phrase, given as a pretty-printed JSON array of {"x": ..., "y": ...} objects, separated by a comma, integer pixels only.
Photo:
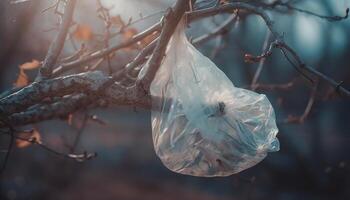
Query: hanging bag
[{"x": 202, "y": 125}]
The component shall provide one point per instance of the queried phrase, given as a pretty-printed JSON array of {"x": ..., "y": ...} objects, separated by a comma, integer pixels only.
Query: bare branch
[
  {"x": 58, "y": 43},
  {"x": 261, "y": 63},
  {"x": 290, "y": 7},
  {"x": 300, "y": 66},
  {"x": 278, "y": 43},
  {"x": 301, "y": 119},
  {"x": 171, "y": 20},
  {"x": 222, "y": 29},
  {"x": 37, "y": 91},
  {"x": 104, "y": 52},
  {"x": 77, "y": 157},
  {"x": 231, "y": 7}
]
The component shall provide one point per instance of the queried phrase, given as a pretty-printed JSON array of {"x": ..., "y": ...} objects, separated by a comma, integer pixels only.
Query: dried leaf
[
  {"x": 83, "y": 32},
  {"x": 30, "y": 65},
  {"x": 148, "y": 39},
  {"x": 22, "y": 79},
  {"x": 129, "y": 33},
  {"x": 118, "y": 21},
  {"x": 29, "y": 138}
]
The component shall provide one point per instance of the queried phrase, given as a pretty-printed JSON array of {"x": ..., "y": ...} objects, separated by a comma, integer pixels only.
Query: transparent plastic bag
[{"x": 202, "y": 124}]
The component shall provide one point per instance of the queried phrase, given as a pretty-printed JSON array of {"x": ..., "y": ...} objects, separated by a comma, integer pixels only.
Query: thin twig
[
  {"x": 77, "y": 157},
  {"x": 80, "y": 132},
  {"x": 102, "y": 53},
  {"x": 222, "y": 29},
  {"x": 301, "y": 119},
  {"x": 290, "y": 7},
  {"x": 261, "y": 62}
]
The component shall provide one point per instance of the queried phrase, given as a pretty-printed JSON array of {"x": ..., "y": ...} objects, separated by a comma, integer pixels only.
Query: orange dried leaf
[
  {"x": 118, "y": 21},
  {"x": 22, "y": 79},
  {"x": 148, "y": 39},
  {"x": 28, "y": 138},
  {"x": 30, "y": 65},
  {"x": 83, "y": 32},
  {"x": 129, "y": 33}
]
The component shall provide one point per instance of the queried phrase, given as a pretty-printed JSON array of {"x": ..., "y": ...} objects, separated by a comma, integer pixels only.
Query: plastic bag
[{"x": 201, "y": 124}]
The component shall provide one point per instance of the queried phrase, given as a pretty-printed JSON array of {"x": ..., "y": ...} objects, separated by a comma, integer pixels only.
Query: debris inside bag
[{"x": 202, "y": 125}]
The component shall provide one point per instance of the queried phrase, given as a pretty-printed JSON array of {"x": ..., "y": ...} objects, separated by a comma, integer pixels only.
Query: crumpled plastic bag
[{"x": 202, "y": 125}]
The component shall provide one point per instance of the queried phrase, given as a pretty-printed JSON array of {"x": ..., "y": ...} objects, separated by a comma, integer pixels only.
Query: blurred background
[{"x": 313, "y": 162}]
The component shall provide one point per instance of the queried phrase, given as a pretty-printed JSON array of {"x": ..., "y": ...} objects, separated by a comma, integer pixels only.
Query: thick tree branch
[
  {"x": 37, "y": 91},
  {"x": 61, "y": 108},
  {"x": 72, "y": 103}
]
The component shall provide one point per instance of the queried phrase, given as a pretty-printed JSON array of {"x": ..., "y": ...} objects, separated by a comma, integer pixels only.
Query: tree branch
[
  {"x": 58, "y": 43},
  {"x": 220, "y": 30},
  {"x": 37, "y": 91},
  {"x": 171, "y": 20},
  {"x": 106, "y": 51}
]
